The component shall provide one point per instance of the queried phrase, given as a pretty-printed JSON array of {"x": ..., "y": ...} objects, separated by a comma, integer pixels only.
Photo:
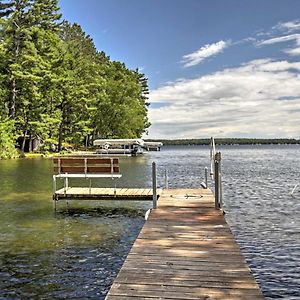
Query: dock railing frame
[
  {"x": 154, "y": 185},
  {"x": 218, "y": 181}
]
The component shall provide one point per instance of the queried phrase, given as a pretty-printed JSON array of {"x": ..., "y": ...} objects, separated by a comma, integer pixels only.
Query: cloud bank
[
  {"x": 204, "y": 52},
  {"x": 260, "y": 98}
]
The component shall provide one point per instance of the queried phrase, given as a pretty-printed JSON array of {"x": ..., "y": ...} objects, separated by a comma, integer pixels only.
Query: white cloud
[
  {"x": 291, "y": 33},
  {"x": 204, "y": 52},
  {"x": 293, "y": 51},
  {"x": 292, "y": 37},
  {"x": 280, "y": 39},
  {"x": 260, "y": 98},
  {"x": 289, "y": 26}
]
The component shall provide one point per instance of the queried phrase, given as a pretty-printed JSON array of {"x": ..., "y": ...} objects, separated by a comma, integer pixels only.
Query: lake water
[{"x": 78, "y": 252}]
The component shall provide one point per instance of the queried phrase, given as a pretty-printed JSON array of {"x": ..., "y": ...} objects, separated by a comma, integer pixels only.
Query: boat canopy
[{"x": 118, "y": 142}]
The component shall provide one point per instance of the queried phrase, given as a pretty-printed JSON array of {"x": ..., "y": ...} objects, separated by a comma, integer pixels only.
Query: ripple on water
[{"x": 75, "y": 271}]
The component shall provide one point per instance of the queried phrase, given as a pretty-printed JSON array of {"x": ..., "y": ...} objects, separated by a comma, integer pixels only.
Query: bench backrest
[{"x": 86, "y": 165}]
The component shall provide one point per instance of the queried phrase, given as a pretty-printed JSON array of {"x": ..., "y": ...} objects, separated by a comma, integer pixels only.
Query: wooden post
[
  {"x": 154, "y": 185},
  {"x": 166, "y": 179},
  {"x": 85, "y": 166},
  {"x": 217, "y": 180},
  {"x": 59, "y": 166}
]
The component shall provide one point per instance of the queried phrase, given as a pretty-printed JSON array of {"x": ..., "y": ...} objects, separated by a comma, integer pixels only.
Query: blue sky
[{"x": 215, "y": 68}]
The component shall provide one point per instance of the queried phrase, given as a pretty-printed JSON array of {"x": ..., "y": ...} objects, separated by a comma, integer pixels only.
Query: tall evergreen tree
[
  {"x": 15, "y": 27},
  {"x": 75, "y": 74},
  {"x": 29, "y": 26},
  {"x": 45, "y": 14},
  {"x": 5, "y": 9},
  {"x": 55, "y": 84}
]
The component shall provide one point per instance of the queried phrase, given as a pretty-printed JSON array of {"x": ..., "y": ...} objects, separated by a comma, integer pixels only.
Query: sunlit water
[{"x": 78, "y": 252}]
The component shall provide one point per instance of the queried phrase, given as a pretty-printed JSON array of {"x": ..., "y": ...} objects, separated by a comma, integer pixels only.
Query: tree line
[
  {"x": 56, "y": 85},
  {"x": 229, "y": 141}
]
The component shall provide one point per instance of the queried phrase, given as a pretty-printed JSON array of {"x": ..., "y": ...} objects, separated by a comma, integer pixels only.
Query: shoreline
[
  {"x": 228, "y": 141},
  {"x": 198, "y": 142}
]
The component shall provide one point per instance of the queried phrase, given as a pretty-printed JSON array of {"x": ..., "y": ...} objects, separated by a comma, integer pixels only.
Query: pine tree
[
  {"x": 5, "y": 9},
  {"x": 78, "y": 85},
  {"x": 14, "y": 36},
  {"x": 25, "y": 30},
  {"x": 45, "y": 14}
]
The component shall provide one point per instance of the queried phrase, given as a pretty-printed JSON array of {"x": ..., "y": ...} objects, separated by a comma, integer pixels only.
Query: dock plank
[{"x": 185, "y": 250}]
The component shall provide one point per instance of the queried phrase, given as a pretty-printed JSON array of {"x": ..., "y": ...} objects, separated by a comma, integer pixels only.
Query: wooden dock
[
  {"x": 80, "y": 193},
  {"x": 185, "y": 251}
]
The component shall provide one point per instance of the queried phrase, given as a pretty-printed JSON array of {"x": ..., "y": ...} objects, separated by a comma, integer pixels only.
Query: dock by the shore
[{"x": 185, "y": 251}]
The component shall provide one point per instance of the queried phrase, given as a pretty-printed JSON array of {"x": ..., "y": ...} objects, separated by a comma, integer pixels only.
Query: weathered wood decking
[
  {"x": 104, "y": 193},
  {"x": 185, "y": 251}
]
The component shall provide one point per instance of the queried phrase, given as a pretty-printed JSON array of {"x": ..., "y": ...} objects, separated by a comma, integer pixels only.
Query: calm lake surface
[{"x": 77, "y": 253}]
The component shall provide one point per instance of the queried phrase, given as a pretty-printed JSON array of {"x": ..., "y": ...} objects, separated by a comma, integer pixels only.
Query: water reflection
[{"x": 75, "y": 253}]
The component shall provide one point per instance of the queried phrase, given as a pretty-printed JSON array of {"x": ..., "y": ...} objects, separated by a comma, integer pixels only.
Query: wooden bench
[{"x": 84, "y": 167}]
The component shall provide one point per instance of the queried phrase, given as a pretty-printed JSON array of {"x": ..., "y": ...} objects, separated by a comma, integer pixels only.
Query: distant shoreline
[{"x": 227, "y": 141}]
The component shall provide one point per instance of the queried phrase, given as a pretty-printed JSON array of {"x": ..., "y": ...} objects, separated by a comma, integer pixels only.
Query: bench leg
[
  {"x": 115, "y": 190},
  {"x": 54, "y": 203},
  {"x": 90, "y": 186}
]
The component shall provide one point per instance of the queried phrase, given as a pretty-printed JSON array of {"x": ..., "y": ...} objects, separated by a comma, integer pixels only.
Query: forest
[{"x": 56, "y": 86}]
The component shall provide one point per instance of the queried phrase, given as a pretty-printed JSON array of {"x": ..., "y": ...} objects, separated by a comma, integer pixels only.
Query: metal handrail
[{"x": 293, "y": 190}]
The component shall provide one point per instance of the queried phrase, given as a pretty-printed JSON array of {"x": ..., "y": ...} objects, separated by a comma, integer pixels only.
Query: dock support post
[
  {"x": 166, "y": 179},
  {"x": 54, "y": 197},
  {"x": 54, "y": 186},
  {"x": 154, "y": 187},
  {"x": 217, "y": 180},
  {"x": 205, "y": 177}
]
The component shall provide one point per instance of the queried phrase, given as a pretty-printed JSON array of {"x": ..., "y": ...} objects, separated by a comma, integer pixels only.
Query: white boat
[{"x": 131, "y": 147}]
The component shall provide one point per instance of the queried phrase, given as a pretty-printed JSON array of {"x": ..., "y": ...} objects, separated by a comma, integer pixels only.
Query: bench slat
[
  {"x": 90, "y": 169},
  {"x": 98, "y": 175}
]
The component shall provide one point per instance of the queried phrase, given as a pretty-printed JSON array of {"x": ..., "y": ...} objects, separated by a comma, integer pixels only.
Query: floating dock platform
[
  {"x": 86, "y": 193},
  {"x": 185, "y": 251}
]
